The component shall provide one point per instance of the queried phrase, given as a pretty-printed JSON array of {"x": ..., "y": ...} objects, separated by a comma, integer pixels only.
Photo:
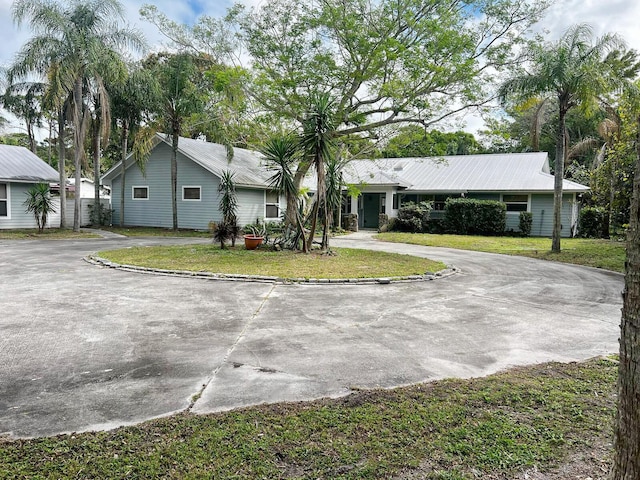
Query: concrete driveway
[{"x": 84, "y": 347}]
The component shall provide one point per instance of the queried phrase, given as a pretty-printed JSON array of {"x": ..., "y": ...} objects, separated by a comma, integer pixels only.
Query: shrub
[
  {"x": 413, "y": 217},
  {"x": 465, "y": 216},
  {"x": 39, "y": 203},
  {"x": 224, "y": 231},
  {"x": 592, "y": 222},
  {"x": 101, "y": 215},
  {"x": 526, "y": 221}
]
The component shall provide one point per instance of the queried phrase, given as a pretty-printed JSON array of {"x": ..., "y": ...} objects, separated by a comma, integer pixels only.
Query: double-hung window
[
  {"x": 272, "y": 204},
  {"x": 4, "y": 200}
]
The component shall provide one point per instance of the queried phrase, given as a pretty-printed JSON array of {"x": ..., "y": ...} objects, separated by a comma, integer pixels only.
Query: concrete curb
[{"x": 429, "y": 276}]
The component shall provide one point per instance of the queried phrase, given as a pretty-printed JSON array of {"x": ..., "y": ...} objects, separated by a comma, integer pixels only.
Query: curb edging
[{"x": 236, "y": 277}]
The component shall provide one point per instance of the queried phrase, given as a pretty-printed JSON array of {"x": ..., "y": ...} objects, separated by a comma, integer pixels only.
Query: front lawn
[
  {"x": 47, "y": 234},
  {"x": 156, "y": 232},
  {"x": 345, "y": 263},
  {"x": 606, "y": 254},
  {"x": 555, "y": 419}
]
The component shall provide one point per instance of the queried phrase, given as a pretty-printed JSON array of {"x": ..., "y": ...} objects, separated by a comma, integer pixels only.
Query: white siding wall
[{"x": 85, "y": 215}]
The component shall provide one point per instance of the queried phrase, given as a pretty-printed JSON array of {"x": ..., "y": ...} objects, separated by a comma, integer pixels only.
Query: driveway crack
[{"x": 198, "y": 394}]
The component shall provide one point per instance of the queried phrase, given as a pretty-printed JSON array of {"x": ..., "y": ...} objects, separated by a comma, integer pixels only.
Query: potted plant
[{"x": 255, "y": 237}]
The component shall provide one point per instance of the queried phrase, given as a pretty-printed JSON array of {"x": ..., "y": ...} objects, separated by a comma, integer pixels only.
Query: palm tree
[
  {"x": 72, "y": 38},
  {"x": 129, "y": 107},
  {"x": 281, "y": 154},
  {"x": 39, "y": 203},
  {"x": 178, "y": 98},
  {"x": 318, "y": 138},
  {"x": 575, "y": 71}
]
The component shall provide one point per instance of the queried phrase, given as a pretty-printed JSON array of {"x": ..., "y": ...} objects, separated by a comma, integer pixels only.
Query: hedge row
[{"x": 466, "y": 216}]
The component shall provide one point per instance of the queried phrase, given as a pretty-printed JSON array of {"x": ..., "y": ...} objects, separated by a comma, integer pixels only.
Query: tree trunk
[
  {"x": 320, "y": 196},
  {"x": 174, "y": 177},
  {"x": 612, "y": 194},
  {"x": 627, "y": 442},
  {"x": 292, "y": 213},
  {"x": 96, "y": 177},
  {"x": 61, "y": 170},
  {"x": 559, "y": 176},
  {"x": 123, "y": 168},
  {"x": 78, "y": 145}
]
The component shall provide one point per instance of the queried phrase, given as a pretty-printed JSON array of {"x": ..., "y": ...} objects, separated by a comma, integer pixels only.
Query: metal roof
[
  {"x": 19, "y": 164},
  {"x": 247, "y": 165},
  {"x": 509, "y": 172}
]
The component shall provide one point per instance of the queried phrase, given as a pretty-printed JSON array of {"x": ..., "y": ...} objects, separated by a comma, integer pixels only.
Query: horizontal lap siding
[
  {"x": 157, "y": 211},
  {"x": 250, "y": 205},
  {"x": 542, "y": 211},
  {"x": 19, "y": 216}
]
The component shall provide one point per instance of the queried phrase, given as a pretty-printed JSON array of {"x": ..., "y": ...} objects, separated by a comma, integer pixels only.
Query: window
[
  {"x": 272, "y": 204},
  {"x": 346, "y": 204},
  {"x": 516, "y": 203},
  {"x": 191, "y": 194},
  {"x": 395, "y": 200},
  {"x": 140, "y": 193},
  {"x": 4, "y": 200}
]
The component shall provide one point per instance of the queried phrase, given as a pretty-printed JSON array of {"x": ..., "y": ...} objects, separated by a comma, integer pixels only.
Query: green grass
[
  {"x": 493, "y": 427},
  {"x": 47, "y": 234},
  {"x": 346, "y": 263},
  {"x": 156, "y": 232},
  {"x": 606, "y": 254}
]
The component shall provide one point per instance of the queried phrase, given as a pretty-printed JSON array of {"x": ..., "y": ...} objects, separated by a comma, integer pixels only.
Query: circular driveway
[{"x": 85, "y": 347}]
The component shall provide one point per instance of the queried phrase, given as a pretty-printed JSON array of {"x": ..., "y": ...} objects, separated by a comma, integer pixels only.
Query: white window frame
[
  {"x": 199, "y": 199},
  {"x": 272, "y": 204},
  {"x": 521, "y": 203},
  {"x": 133, "y": 197},
  {"x": 8, "y": 200}
]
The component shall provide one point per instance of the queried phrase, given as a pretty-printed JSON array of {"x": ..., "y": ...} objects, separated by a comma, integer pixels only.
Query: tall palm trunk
[
  {"x": 123, "y": 168},
  {"x": 558, "y": 178},
  {"x": 96, "y": 175},
  {"x": 61, "y": 170},
  {"x": 174, "y": 177},
  {"x": 627, "y": 441},
  {"x": 78, "y": 141}
]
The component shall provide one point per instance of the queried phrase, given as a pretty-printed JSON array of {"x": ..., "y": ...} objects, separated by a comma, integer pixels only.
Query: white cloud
[{"x": 616, "y": 16}]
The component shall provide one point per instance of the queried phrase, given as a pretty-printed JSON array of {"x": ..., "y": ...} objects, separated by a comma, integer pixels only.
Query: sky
[{"x": 614, "y": 16}]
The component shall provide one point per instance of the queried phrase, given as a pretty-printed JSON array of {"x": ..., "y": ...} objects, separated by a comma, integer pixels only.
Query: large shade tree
[
  {"x": 382, "y": 63},
  {"x": 574, "y": 71},
  {"x": 72, "y": 38}
]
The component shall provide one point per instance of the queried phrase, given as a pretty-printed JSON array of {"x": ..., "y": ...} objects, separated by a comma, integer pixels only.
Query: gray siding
[
  {"x": 156, "y": 211},
  {"x": 250, "y": 205},
  {"x": 19, "y": 217},
  {"x": 542, "y": 210}
]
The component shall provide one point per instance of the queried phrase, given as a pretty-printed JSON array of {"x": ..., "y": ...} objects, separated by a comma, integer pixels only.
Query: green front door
[{"x": 371, "y": 209}]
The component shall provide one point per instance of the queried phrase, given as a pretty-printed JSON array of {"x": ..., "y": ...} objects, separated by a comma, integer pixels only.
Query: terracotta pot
[{"x": 251, "y": 242}]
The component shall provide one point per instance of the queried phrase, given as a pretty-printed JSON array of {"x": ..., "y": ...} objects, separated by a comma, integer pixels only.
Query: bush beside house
[
  {"x": 465, "y": 216},
  {"x": 592, "y": 222}
]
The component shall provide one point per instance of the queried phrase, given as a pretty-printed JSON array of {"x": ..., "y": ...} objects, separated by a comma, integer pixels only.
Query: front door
[{"x": 371, "y": 210}]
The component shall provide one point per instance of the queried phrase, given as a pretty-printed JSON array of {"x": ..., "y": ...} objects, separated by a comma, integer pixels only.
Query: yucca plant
[
  {"x": 229, "y": 206},
  {"x": 40, "y": 204}
]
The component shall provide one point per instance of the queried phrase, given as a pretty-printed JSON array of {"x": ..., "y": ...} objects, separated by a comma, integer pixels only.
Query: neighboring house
[
  {"x": 521, "y": 180},
  {"x": 87, "y": 189},
  {"x": 147, "y": 193},
  {"x": 20, "y": 169}
]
